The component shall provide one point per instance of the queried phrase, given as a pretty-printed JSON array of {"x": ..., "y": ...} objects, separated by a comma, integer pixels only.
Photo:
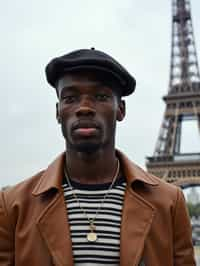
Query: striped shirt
[{"x": 106, "y": 250}]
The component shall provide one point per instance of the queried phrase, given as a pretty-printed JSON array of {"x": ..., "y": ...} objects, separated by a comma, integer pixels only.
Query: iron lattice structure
[{"x": 182, "y": 103}]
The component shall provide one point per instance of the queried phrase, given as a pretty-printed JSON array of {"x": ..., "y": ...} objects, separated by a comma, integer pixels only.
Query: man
[{"x": 92, "y": 205}]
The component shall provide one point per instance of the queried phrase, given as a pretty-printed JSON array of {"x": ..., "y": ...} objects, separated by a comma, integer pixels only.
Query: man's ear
[
  {"x": 121, "y": 110},
  {"x": 58, "y": 113}
]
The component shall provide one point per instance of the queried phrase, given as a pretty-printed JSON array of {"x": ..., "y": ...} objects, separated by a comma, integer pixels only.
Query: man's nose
[{"x": 86, "y": 107}]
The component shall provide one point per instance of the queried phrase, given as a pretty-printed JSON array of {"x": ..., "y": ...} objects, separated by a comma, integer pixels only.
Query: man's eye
[
  {"x": 102, "y": 97},
  {"x": 69, "y": 98}
]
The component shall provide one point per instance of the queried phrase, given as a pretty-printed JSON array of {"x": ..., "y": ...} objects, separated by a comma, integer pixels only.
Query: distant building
[
  {"x": 4, "y": 188},
  {"x": 193, "y": 196}
]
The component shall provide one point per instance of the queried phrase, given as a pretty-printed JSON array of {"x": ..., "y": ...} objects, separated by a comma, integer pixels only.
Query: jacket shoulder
[
  {"x": 164, "y": 184},
  {"x": 155, "y": 189},
  {"x": 21, "y": 191},
  {"x": 136, "y": 175}
]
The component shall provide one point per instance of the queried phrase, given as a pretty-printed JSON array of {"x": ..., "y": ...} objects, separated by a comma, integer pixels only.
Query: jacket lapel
[
  {"x": 54, "y": 228},
  {"x": 136, "y": 222},
  {"x": 137, "y": 215},
  {"x": 52, "y": 221}
]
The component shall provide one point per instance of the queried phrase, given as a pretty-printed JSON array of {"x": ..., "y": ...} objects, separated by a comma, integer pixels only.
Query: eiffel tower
[{"x": 182, "y": 104}]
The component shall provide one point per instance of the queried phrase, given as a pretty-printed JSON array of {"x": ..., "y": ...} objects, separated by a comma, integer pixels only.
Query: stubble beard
[{"x": 87, "y": 147}]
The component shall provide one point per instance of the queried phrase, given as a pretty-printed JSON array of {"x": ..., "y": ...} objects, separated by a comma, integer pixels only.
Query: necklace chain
[{"x": 91, "y": 220}]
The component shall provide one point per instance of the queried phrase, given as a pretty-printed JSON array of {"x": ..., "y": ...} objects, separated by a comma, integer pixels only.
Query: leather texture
[{"x": 34, "y": 228}]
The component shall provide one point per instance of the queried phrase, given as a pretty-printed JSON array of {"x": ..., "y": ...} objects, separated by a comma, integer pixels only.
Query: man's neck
[{"x": 97, "y": 168}]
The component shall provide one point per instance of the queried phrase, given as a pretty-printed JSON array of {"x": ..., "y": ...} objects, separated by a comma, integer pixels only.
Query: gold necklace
[{"x": 92, "y": 235}]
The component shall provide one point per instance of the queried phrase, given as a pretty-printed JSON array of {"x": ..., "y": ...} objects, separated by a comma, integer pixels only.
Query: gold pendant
[{"x": 92, "y": 237}]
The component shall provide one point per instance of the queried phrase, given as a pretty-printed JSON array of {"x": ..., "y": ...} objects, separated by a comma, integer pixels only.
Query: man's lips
[
  {"x": 85, "y": 124},
  {"x": 85, "y": 128},
  {"x": 86, "y": 131}
]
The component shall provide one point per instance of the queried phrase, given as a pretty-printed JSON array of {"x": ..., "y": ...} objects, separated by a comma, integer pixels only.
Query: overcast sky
[{"x": 136, "y": 33}]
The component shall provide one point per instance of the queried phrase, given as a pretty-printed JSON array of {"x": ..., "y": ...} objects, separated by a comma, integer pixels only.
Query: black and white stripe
[{"x": 105, "y": 251}]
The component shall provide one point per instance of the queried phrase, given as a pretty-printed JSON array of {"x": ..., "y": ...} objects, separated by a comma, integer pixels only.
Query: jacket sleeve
[
  {"x": 183, "y": 247},
  {"x": 6, "y": 235}
]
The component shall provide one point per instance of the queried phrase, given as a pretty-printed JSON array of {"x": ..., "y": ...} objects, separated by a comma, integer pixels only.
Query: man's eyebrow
[
  {"x": 68, "y": 88},
  {"x": 65, "y": 89}
]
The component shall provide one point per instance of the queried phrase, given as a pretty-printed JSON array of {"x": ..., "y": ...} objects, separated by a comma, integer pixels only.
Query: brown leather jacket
[{"x": 34, "y": 230}]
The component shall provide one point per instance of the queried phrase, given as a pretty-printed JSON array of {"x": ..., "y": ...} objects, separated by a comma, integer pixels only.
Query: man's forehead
[
  {"x": 71, "y": 84},
  {"x": 85, "y": 78}
]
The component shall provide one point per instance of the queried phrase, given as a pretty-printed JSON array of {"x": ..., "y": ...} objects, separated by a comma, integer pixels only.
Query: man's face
[{"x": 88, "y": 110}]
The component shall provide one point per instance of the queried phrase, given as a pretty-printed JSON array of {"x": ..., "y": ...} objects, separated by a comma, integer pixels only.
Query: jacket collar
[
  {"x": 53, "y": 175},
  {"x": 133, "y": 172}
]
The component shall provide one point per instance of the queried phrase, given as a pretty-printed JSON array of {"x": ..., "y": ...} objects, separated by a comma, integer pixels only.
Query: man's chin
[{"x": 87, "y": 147}]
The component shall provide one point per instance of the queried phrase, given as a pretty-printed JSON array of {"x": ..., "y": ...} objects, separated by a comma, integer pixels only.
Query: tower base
[{"x": 182, "y": 170}]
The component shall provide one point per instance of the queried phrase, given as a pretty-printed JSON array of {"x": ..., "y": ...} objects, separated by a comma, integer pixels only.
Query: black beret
[{"x": 89, "y": 59}]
